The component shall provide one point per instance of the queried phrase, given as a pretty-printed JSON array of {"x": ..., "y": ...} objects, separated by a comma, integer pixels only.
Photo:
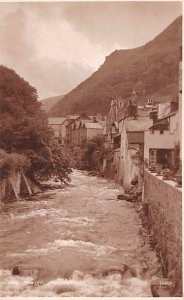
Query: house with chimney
[
  {"x": 162, "y": 196},
  {"x": 163, "y": 140},
  {"x": 126, "y": 123},
  {"x": 132, "y": 128},
  {"x": 84, "y": 128},
  {"x": 111, "y": 127}
]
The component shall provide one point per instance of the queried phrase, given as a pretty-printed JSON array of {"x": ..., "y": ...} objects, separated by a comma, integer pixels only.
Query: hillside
[
  {"x": 152, "y": 67},
  {"x": 48, "y": 103}
]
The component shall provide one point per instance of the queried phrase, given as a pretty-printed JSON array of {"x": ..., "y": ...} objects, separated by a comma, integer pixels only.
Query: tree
[
  {"x": 90, "y": 147},
  {"x": 24, "y": 128}
]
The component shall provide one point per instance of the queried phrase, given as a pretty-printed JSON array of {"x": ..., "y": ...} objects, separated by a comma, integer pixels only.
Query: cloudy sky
[{"x": 55, "y": 46}]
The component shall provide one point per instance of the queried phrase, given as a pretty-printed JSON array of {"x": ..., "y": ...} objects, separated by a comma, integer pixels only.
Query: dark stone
[
  {"x": 16, "y": 270},
  {"x": 134, "y": 181},
  {"x": 126, "y": 197},
  {"x": 160, "y": 291}
]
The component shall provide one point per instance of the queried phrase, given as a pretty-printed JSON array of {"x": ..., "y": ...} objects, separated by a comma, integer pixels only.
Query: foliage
[
  {"x": 11, "y": 161},
  {"x": 24, "y": 128},
  {"x": 49, "y": 163},
  {"x": 91, "y": 147},
  {"x": 152, "y": 67}
]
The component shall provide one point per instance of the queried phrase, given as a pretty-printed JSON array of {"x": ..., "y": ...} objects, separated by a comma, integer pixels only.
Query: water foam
[
  {"x": 41, "y": 213},
  {"x": 83, "y": 246},
  {"x": 80, "y": 284}
]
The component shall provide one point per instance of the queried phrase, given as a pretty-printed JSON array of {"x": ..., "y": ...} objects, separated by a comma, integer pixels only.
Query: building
[
  {"x": 132, "y": 140},
  {"x": 90, "y": 130},
  {"x": 111, "y": 127},
  {"x": 70, "y": 120},
  {"x": 161, "y": 141},
  {"x": 83, "y": 128},
  {"x": 59, "y": 127},
  {"x": 124, "y": 135},
  {"x": 74, "y": 129}
]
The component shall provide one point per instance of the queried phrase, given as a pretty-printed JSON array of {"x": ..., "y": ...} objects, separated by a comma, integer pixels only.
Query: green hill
[{"x": 152, "y": 67}]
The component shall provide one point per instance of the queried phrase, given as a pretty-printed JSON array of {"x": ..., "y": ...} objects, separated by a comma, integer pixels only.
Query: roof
[
  {"x": 138, "y": 125},
  {"x": 169, "y": 115},
  {"x": 163, "y": 121},
  {"x": 56, "y": 121},
  {"x": 83, "y": 117},
  {"x": 162, "y": 99},
  {"x": 93, "y": 125},
  {"x": 135, "y": 137},
  {"x": 159, "y": 122},
  {"x": 92, "y": 117},
  {"x": 72, "y": 117},
  {"x": 143, "y": 112}
]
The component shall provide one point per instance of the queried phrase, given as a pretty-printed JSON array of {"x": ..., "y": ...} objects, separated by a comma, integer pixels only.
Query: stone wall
[
  {"x": 164, "y": 201},
  {"x": 15, "y": 186}
]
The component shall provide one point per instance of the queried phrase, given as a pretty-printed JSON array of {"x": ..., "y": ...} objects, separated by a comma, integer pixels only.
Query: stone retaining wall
[
  {"x": 15, "y": 186},
  {"x": 164, "y": 202}
]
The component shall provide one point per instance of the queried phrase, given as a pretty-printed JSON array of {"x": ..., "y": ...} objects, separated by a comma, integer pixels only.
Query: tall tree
[{"x": 24, "y": 127}]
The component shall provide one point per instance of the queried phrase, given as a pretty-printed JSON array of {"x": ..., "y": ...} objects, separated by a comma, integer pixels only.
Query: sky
[{"x": 55, "y": 46}]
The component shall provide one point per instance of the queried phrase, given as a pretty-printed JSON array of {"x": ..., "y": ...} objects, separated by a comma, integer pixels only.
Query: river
[{"x": 74, "y": 236}]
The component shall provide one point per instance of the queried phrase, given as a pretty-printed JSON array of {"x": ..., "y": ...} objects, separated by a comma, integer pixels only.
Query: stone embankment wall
[
  {"x": 164, "y": 201},
  {"x": 15, "y": 186}
]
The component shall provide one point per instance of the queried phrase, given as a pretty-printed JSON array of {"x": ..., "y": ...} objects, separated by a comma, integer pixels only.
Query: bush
[
  {"x": 90, "y": 147},
  {"x": 12, "y": 161}
]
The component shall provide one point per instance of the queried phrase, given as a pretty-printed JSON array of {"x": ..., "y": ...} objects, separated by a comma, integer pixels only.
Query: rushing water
[{"x": 73, "y": 237}]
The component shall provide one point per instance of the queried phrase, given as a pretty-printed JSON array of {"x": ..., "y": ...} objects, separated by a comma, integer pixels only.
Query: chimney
[
  {"x": 132, "y": 109},
  {"x": 154, "y": 115}
]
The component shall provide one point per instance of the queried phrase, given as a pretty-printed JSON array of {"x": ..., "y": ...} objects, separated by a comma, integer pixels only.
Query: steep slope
[
  {"x": 48, "y": 103},
  {"x": 152, "y": 67}
]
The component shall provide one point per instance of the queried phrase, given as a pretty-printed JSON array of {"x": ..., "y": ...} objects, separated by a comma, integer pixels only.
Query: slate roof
[
  {"x": 138, "y": 125},
  {"x": 93, "y": 125},
  {"x": 163, "y": 121},
  {"x": 56, "y": 121},
  {"x": 135, "y": 137}
]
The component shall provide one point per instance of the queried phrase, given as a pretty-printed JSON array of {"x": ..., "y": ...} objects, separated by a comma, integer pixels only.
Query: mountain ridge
[{"x": 152, "y": 67}]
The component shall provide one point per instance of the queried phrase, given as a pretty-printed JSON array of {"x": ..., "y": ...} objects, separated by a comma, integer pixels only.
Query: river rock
[
  {"x": 125, "y": 197},
  {"x": 26, "y": 270}
]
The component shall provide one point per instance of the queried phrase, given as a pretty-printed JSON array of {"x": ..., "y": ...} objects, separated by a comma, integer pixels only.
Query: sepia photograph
[{"x": 91, "y": 149}]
